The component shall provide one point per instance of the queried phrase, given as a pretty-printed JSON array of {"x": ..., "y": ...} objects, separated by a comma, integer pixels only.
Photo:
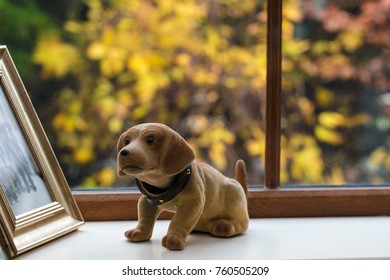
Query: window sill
[
  {"x": 293, "y": 238},
  {"x": 262, "y": 203}
]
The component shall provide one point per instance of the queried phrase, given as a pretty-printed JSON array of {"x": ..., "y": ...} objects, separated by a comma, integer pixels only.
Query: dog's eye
[
  {"x": 149, "y": 139},
  {"x": 127, "y": 141}
]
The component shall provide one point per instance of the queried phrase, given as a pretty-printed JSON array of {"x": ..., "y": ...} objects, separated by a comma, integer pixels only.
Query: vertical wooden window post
[{"x": 273, "y": 93}]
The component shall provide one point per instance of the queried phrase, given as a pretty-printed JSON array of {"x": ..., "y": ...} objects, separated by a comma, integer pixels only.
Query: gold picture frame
[{"x": 36, "y": 204}]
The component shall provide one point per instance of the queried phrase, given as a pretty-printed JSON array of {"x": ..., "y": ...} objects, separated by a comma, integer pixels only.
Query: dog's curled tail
[{"x": 241, "y": 175}]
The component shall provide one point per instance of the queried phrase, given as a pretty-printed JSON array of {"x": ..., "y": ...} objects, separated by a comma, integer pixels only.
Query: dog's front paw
[
  {"x": 173, "y": 242},
  {"x": 136, "y": 235}
]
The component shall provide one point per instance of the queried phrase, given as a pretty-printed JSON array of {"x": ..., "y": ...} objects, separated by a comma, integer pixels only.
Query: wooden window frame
[{"x": 272, "y": 201}]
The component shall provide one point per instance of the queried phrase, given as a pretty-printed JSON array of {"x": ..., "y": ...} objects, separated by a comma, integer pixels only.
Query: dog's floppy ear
[
  {"x": 178, "y": 155},
  {"x": 119, "y": 147},
  {"x": 119, "y": 144}
]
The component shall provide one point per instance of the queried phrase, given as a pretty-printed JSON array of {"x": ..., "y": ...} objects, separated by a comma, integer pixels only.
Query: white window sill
[{"x": 272, "y": 239}]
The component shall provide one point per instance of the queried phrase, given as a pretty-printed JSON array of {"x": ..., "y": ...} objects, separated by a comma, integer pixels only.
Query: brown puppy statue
[{"x": 171, "y": 180}]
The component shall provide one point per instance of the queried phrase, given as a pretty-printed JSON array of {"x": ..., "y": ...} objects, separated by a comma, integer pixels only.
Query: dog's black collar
[{"x": 157, "y": 196}]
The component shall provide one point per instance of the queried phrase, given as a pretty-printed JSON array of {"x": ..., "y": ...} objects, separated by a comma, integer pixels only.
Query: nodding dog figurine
[{"x": 170, "y": 179}]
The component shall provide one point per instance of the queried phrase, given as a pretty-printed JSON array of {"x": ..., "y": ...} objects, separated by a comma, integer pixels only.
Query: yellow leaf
[
  {"x": 147, "y": 87},
  {"x": 106, "y": 177},
  {"x": 320, "y": 47},
  {"x": 214, "y": 43},
  {"x": 57, "y": 58},
  {"x": 220, "y": 133},
  {"x": 292, "y": 10},
  {"x": 62, "y": 121},
  {"x": 359, "y": 119},
  {"x": 202, "y": 77},
  {"x": 256, "y": 147},
  {"x": 198, "y": 124},
  {"x": 83, "y": 152},
  {"x": 324, "y": 96},
  {"x": 351, "y": 39},
  {"x": 337, "y": 176},
  {"x": 177, "y": 74},
  {"x": 96, "y": 51},
  {"x": 377, "y": 158},
  {"x": 89, "y": 183},
  {"x": 307, "y": 109},
  {"x": 75, "y": 107},
  {"x": 81, "y": 124},
  {"x": 157, "y": 60},
  {"x": 115, "y": 125},
  {"x": 73, "y": 26},
  {"x": 295, "y": 49},
  {"x": 108, "y": 35},
  {"x": 217, "y": 155},
  {"x": 231, "y": 82},
  {"x": 126, "y": 39},
  {"x": 140, "y": 112},
  {"x": 307, "y": 163},
  {"x": 82, "y": 155},
  {"x": 114, "y": 62},
  {"x": 287, "y": 30},
  {"x": 328, "y": 136},
  {"x": 138, "y": 64},
  {"x": 106, "y": 107},
  {"x": 332, "y": 120},
  {"x": 183, "y": 59},
  {"x": 125, "y": 98}
]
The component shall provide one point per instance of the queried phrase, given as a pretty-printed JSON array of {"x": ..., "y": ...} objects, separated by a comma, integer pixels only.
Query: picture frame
[{"x": 36, "y": 203}]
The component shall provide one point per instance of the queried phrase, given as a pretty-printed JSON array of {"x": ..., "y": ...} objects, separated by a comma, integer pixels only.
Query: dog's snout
[{"x": 124, "y": 152}]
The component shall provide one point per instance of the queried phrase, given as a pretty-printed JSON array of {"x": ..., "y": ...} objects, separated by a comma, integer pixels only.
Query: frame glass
[{"x": 36, "y": 204}]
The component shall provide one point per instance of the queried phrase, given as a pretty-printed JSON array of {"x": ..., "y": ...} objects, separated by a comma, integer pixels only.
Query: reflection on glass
[
  {"x": 20, "y": 178},
  {"x": 336, "y": 84}
]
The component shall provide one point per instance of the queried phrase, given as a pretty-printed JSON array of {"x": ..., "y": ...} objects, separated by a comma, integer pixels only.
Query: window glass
[
  {"x": 198, "y": 66},
  {"x": 336, "y": 100}
]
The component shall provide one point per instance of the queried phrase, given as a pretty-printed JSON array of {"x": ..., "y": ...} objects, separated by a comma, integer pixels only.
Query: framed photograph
[{"x": 36, "y": 204}]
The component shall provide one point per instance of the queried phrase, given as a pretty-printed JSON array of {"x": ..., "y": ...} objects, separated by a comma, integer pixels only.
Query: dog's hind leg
[{"x": 227, "y": 228}]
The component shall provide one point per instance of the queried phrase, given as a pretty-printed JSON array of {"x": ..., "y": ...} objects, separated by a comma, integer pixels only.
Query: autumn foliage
[{"x": 199, "y": 66}]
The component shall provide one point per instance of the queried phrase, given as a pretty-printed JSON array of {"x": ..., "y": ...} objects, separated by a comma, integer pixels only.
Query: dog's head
[{"x": 152, "y": 149}]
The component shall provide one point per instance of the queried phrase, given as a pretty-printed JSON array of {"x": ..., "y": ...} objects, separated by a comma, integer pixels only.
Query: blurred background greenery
[{"x": 94, "y": 68}]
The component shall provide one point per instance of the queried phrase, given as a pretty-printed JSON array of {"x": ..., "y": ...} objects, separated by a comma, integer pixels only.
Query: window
[
  {"x": 277, "y": 199},
  {"x": 130, "y": 63},
  {"x": 110, "y": 64},
  {"x": 335, "y": 118}
]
